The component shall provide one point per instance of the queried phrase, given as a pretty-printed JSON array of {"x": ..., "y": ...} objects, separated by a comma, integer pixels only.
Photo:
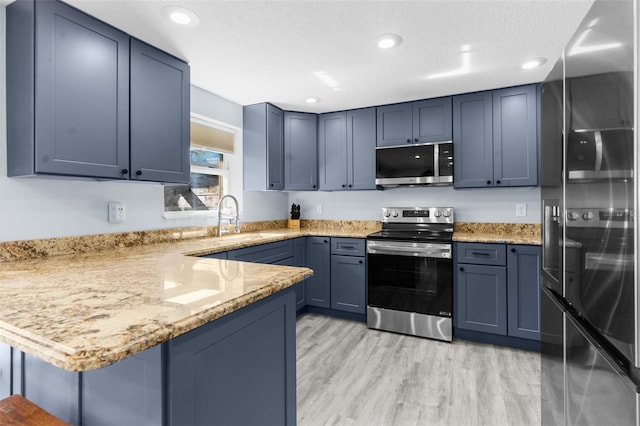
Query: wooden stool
[{"x": 18, "y": 411}]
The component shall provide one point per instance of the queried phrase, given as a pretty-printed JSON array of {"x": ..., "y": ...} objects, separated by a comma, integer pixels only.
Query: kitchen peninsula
[{"x": 149, "y": 335}]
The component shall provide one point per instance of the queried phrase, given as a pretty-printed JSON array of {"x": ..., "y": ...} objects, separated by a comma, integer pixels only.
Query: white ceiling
[{"x": 256, "y": 51}]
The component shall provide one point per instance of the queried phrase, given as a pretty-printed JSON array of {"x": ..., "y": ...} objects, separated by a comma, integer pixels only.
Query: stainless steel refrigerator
[{"x": 590, "y": 295}]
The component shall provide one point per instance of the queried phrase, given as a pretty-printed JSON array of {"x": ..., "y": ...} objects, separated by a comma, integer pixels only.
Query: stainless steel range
[{"x": 410, "y": 272}]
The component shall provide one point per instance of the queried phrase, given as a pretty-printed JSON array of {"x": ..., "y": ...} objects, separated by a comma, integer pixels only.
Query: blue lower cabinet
[
  {"x": 497, "y": 291},
  {"x": 523, "y": 266},
  {"x": 318, "y": 286},
  {"x": 237, "y": 370},
  {"x": 482, "y": 298},
  {"x": 299, "y": 259},
  {"x": 5, "y": 370},
  {"x": 348, "y": 283}
]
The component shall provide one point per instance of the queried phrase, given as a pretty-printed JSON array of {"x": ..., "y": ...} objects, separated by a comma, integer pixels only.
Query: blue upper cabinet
[
  {"x": 80, "y": 123},
  {"x": 495, "y": 138},
  {"x": 128, "y": 115},
  {"x": 515, "y": 136},
  {"x": 332, "y": 151},
  {"x": 432, "y": 120},
  {"x": 395, "y": 124},
  {"x": 263, "y": 153},
  {"x": 160, "y": 110},
  {"x": 415, "y": 122},
  {"x": 346, "y": 150},
  {"x": 473, "y": 140},
  {"x": 300, "y": 151}
]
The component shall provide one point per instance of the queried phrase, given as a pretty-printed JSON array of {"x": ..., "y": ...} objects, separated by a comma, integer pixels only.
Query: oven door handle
[{"x": 440, "y": 253}]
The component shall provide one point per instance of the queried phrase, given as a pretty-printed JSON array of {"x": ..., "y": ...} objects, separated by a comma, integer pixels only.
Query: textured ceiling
[{"x": 255, "y": 51}]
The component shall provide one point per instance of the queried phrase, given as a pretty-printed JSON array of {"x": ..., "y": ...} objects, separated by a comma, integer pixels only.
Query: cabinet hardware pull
[
  {"x": 488, "y": 182},
  {"x": 408, "y": 140},
  {"x": 475, "y": 253},
  {"x": 513, "y": 250},
  {"x": 139, "y": 172},
  {"x": 498, "y": 182},
  {"x": 415, "y": 140},
  {"x": 343, "y": 186},
  {"x": 125, "y": 171},
  {"x": 360, "y": 262},
  {"x": 461, "y": 269}
]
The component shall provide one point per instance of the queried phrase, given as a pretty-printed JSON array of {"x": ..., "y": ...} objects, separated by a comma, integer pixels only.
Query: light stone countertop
[{"x": 85, "y": 311}]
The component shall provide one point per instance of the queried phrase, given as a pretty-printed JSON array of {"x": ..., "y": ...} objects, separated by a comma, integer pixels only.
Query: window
[{"x": 212, "y": 148}]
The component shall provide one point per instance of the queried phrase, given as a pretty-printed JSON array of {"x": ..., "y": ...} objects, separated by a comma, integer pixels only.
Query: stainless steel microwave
[
  {"x": 600, "y": 154},
  {"x": 415, "y": 165}
]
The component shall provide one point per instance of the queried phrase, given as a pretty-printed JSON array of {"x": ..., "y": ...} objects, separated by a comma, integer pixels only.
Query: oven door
[{"x": 410, "y": 277}]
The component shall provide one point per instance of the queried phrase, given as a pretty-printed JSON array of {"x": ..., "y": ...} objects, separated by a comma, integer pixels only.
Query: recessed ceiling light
[
  {"x": 533, "y": 63},
  {"x": 388, "y": 41},
  {"x": 181, "y": 16},
  {"x": 312, "y": 100}
]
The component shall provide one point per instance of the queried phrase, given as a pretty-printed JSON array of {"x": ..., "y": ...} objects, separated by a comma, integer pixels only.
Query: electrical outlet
[
  {"x": 521, "y": 209},
  {"x": 116, "y": 212},
  {"x": 319, "y": 208}
]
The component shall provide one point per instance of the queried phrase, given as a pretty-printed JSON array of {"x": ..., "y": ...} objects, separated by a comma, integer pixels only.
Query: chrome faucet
[{"x": 237, "y": 218}]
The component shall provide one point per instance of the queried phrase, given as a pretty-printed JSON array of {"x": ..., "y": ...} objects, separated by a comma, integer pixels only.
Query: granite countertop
[
  {"x": 85, "y": 311},
  {"x": 90, "y": 309},
  {"x": 509, "y": 233}
]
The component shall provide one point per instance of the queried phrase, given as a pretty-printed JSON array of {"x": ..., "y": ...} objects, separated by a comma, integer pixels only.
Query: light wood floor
[{"x": 351, "y": 375}]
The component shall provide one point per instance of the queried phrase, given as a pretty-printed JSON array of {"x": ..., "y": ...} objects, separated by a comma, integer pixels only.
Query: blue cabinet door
[
  {"x": 299, "y": 259},
  {"x": 5, "y": 370},
  {"x": 160, "y": 111},
  {"x": 263, "y": 147},
  {"x": 332, "y": 151},
  {"x": 348, "y": 283},
  {"x": 523, "y": 265},
  {"x": 432, "y": 120},
  {"x": 515, "y": 136},
  {"x": 237, "y": 370},
  {"x": 361, "y": 149},
  {"x": 65, "y": 115},
  {"x": 318, "y": 286},
  {"x": 482, "y": 298},
  {"x": 395, "y": 124},
  {"x": 275, "y": 148},
  {"x": 473, "y": 140},
  {"x": 300, "y": 151}
]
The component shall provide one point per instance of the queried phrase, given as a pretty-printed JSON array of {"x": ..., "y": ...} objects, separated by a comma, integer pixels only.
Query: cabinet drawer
[
  {"x": 264, "y": 253},
  {"x": 481, "y": 254},
  {"x": 348, "y": 246}
]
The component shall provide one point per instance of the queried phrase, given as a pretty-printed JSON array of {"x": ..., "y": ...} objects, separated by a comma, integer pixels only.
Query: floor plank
[{"x": 351, "y": 375}]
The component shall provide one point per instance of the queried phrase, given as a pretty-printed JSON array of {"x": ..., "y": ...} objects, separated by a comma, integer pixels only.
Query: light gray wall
[{"x": 471, "y": 205}]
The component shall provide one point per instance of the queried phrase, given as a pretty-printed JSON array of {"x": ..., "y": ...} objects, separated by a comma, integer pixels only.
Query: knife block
[{"x": 293, "y": 223}]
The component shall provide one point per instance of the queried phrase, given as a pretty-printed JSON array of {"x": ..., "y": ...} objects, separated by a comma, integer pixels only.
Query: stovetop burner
[{"x": 416, "y": 224}]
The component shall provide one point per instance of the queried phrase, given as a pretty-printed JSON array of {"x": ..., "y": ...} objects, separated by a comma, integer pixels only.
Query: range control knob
[
  {"x": 437, "y": 213},
  {"x": 386, "y": 213},
  {"x": 573, "y": 215},
  {"x": 394, "y": 213},
  {"x": 587, "y": 215},
  {"x": 446, "y": 213}
]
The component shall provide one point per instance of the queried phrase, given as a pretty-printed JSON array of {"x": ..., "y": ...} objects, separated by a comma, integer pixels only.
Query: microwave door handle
[
  {"x": 436, "y": 160},
  {"x": 598, "y": 139}
]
